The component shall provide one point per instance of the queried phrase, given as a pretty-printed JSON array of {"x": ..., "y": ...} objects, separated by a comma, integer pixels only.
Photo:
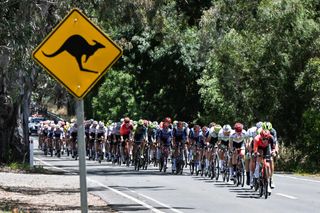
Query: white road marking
[
  {"x": 158, "y": 202},
  {"x": 57, "y": 168},
  {"x": 287, "y": 196},
  {"x": 117, "y": 191},
  {"x": 296, "y": 178},
  {"x": 125, "y": 195}
]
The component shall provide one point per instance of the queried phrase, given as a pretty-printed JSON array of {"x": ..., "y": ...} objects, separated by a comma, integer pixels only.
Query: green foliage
[
  {"x": 116, "y": 98},
  {"x": 201, "y": 61}
]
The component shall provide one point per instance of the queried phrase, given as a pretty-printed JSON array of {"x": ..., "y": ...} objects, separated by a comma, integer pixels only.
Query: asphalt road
[{"x": 151, "y": 191}]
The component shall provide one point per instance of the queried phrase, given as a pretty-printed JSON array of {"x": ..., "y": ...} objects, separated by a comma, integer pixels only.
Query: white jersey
[
  {"x": 223, "y": 137},
  {"x": 93, "y": 129},
  {"x": 238, "y": 138},
  {"x": 252, "y": 132},
  {"x": 109, "y": 130},
  {"x": 212, "y": 133},
  {"x": 101, "y": 130}
]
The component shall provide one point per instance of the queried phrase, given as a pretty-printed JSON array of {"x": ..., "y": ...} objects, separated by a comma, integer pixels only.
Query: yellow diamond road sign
[{"x": 77, "y": 53}]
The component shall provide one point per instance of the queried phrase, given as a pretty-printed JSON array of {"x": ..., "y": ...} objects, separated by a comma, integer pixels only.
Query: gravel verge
[{"x": 20, "y": 192}]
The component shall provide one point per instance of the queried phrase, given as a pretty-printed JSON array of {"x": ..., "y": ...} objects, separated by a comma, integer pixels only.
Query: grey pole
[{"x": 82, "y": 159}]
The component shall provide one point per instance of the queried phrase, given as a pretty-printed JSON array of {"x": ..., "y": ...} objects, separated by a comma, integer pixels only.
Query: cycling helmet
[
  {"x": 265, "y": 134},
  {"x": 227, "y": 128},
  {"x": 126, "y": 119},
  {"x": 155, "y": 123},
  {"x": 140, "y": 122},
  {"x": 267, "y": 126},
  {"x": 217, "y": 128},
  {"x": 101, "y": 124},
  {"x": 238, "y": 127},
  {"x": 95, "y": 123},
  {"x": 167, "y": 119},
  {"x": 259, "y": 124}
]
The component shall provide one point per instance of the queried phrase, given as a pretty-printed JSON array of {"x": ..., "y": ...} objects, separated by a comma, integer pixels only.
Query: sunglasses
[{"x": 265, "y": 139}]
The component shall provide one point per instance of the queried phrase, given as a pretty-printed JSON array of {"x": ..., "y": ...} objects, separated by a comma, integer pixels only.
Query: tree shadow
[
  {"x": 19, "y": 206},
  {"x": 138, "y": 207}
]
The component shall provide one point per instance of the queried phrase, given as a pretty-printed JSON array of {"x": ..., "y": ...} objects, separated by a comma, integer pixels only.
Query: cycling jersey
[
  {"x": 126, "y": 129},
  {"x": 252, "y": 132},
  {"x": 264, "y": 145},
  {"x": 101, "y": 131},
  {"x": 165, "y": 135},
  {"x": 93, "y": 130},
  {"x": 197, "y": 137},
  {"x": 58, "y": 133},
  {"x": 213, "y": 136},
  {"x": 140, "y": 134},
  {"x": 180, "y": 134},
  {"x": 238, "y": 139},
  {"x": 152, "y": 134},
  {"x": 223, "y": 138}
]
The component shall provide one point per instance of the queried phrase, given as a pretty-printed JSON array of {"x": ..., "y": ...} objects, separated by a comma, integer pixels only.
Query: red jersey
[
  {"x": 259, "y": 143},
  {"x": 126, "y": 128}
]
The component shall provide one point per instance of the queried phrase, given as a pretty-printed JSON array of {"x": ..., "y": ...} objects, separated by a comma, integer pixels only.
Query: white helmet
[
  {"x": 226, "y": 128},
  {"x": 259, "y": 124}
]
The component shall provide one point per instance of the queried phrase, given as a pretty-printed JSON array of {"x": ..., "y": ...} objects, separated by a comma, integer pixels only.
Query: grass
[{"x": 25, "y": 168}]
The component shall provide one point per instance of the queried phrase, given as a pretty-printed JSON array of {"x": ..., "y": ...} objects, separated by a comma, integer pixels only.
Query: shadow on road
[{"x": 138, "y": 207}]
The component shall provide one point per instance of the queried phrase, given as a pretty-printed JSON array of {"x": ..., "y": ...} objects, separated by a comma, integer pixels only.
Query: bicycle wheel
[
  {"x": 216, "y": 167},
  {"x": 161, "y": 164},
  {"x": 266, "y": 193},
  {"x": 191, "y": 167}
]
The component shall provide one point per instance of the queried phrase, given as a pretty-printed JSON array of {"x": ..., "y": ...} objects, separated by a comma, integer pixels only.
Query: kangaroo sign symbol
[{"x": 77, "y": 53}]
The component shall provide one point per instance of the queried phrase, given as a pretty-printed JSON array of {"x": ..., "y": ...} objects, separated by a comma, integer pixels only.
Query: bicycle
[
  {"x": 240, "y": 171},
  {"x": 99, "y": 148},
  {"x": 263, "y": 181},
  {"x": 226, "y": 171},
  {"x": 137, "y": 157},
  {"x": 164, "y": 158},
  {"x": 57, "y": 146},
  {"x": 214, "y": 164}
]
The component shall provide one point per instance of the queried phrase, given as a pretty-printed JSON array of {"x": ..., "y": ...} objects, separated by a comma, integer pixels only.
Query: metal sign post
[
  {"x": 60, "y": 54},
  {"x": 82, "y": 159}
]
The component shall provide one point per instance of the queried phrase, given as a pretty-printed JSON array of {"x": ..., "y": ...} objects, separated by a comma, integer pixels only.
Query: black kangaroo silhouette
[{"x": 77, "y": 46}]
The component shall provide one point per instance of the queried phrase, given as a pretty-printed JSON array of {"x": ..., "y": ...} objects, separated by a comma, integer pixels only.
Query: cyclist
[
  {"x": 140, "y": 137},
  {"x": 197, "y": 142},
  {"x": 164, "y": 139},
  {"x": 273, "y": 132},
  {"x": 126, "y": 129},
  {"x": 92, "y": 140},
  {"x": 87, "y": 125},
  {"x": 58, "y": 135},
  {"x": 179, "y": 136},
  {"x": 223, "y": 143},
  {"x": 73, "y": 137},
  {"x": 152, "y": 137},
  {"x": 237, "y": 143},
  {"x": 264, "y": 145},
  {"x": 252, "y": 132},
  {"x": 101, "y": 135},
  {"x": 212, "y": 139}
]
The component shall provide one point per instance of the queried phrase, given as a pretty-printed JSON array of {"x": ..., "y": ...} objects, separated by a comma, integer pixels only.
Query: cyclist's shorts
[
  {"x": 213, "y": 140},
  {"x": 74, "y": 134},
  {"x": 118, "y": 138},
  {"x": 125, "y": 137},
  {"x": 238, "y": 145},
  {"x": 225, "y": 143},
  {"x": 223, "y": 146},
  {"x": 137, "y": 142},
  {"x": 264, "y": 151}
]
